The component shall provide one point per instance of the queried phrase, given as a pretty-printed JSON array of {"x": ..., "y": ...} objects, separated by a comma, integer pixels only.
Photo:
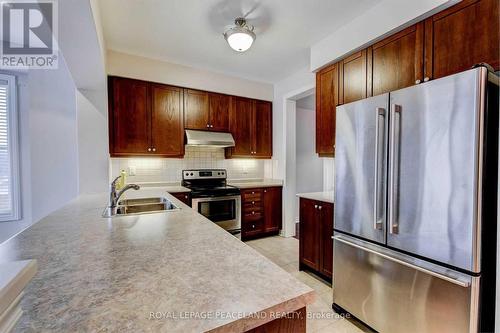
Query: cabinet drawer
[
  {"x": 252, "y": 205},
  {"x": 253, "y": 227},
  {"x": 252, "y": 215},
  {"x": 251, "y": 195},
  {"x": 185, "y": 197}
]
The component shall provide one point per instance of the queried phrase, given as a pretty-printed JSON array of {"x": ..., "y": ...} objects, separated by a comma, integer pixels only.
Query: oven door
[{"x": 224, "y": 211}]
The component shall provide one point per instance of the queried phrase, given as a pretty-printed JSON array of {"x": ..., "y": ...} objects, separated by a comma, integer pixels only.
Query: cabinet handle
[
  {"x": 253, "y": 202},
  {"x": 315, "y": 206},
  {"x": 253, "y": 213},
  {"x": 149, "y": 149},
  {"x": 253, "y": 192},
  {"x": 417, "y": 82},
  {"x": 320, "y": 207},
  {"x": 253, "y": 226},
  {"x": 154, "y": 149},
  {"x": 211, "y": 126},
  {"x": 208, "y": 125},
  {"x": 265, "y": 191},
  {"x": 426, "y": 79},
  {"x": 185, "y": 196}
]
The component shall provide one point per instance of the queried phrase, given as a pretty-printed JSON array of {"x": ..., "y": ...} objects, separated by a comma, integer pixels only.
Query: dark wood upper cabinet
[
  {"x": 397, "y": 61},
  {"x": 149, "y": 119},
  {"x": 196, "y": 109},
  {"x": 167, "y": 130},
  {"x": 240, "y": 125},
  {"x": 145, "y": 119},
  {"x": 462, "y": 36},
  {"x": 272, "y": 209},
  {"x": 326, "y": 102},
  {"x": 263, "y": 129},
  {"x": 250, "y": 122},
  {"x": 129, "y": 117},
  {"x": 219, "y": 106},
  {"x": 352, "y": 78}
]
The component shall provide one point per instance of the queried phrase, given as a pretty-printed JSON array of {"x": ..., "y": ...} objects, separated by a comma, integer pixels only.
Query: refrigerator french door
[{"x": 415, "y": 205}]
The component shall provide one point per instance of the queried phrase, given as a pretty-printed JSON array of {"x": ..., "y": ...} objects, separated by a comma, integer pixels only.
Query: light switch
[{"x": 132, "y": 170}]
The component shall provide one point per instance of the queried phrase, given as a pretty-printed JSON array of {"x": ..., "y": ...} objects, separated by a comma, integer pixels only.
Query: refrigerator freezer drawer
[{"x": 392, "y": 292}]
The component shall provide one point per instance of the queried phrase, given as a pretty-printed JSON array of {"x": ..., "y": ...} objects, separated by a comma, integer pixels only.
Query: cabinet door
[
  {"x": 240, "y": 125},
  {"x": 326, "y": 216},
  {"x": 129, "y": 117},
  {"x": 167, "y": 130},
  {"x": 309, "y": 234},
  {"x": 352, "y": 78},
  {"x": 397, "y": 61},
  {"x": 196, "y": 112},
  {"x": 263, "y": 130},
  {"x": 185, "y": 197},
  {"x": 219, "y": 112},
  {"x": 461, "y": 36},
  {"x": 326, "y": 102},
  {"x": 272, "y": 209}
]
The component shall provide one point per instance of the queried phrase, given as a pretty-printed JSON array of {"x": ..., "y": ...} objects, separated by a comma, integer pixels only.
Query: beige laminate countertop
[
  {"x": 319, "y": 196},
  {"x": 243, "y": 184},
  {"x": 151, "y": 272}
]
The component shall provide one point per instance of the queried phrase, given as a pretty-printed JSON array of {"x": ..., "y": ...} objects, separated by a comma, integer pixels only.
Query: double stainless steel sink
[{"x": 140, "y": 206}]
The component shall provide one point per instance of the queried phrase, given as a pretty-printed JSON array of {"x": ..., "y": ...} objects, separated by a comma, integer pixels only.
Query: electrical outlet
[{"x": 132, "y": 170}]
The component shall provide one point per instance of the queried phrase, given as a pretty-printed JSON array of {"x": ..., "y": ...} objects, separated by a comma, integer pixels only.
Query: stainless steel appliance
[
  {"x": 415, "y": 206},
  {"x": 213, "y": 198},
  {"x": 209, "y": 139}
]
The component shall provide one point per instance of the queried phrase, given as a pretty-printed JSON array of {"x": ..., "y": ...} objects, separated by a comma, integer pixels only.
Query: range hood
[{"x": 209, "y": 139}]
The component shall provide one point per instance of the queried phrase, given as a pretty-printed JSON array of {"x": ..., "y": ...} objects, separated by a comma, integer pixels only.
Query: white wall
[
  {"x": 93, "y": 155},
  {"x": 379, "y": 21},
  {"x": 131, "y": 66},
  {"x": 53, "y": 139},
  {"x": 283, "y": 162},
  {"x": 309, "y": 170}
]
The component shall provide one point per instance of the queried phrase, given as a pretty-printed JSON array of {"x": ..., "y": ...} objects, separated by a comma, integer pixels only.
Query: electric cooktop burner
[{"x": 208, "y": 183}]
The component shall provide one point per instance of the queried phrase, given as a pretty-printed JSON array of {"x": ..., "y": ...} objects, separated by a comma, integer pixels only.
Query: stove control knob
[{"x": 191, "y": 173}]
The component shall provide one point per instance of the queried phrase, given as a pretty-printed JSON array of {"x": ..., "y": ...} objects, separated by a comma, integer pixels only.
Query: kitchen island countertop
[
  {"x": 171, "y": 271},
  {"x": 319, "y": 196}
]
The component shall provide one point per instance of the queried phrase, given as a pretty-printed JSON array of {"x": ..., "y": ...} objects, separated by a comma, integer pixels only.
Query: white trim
[
  {"x": 13, "y": 148},
  {"x": 289, "y": 184}
]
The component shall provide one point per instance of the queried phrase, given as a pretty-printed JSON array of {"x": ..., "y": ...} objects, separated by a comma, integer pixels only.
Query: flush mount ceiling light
[{"x": 241, "y": 36}]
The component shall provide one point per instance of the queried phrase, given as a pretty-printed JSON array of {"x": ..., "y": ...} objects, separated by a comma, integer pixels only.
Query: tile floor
[{"x": 285, "y": 253}]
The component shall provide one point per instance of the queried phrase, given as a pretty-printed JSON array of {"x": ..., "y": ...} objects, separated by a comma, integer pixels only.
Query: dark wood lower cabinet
[
  {"x": 261, "y": 212},
  {"x": 293, "y": 322},
  {"x": 185, "y": 197},
  {"x": 315, "y": 237}
]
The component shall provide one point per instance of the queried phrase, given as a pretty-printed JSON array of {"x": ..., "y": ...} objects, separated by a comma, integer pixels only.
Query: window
[{"x": 9, "y": 159}]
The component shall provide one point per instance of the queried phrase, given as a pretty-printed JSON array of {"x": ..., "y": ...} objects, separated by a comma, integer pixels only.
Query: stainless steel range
[{"x": 213, "y": 198}]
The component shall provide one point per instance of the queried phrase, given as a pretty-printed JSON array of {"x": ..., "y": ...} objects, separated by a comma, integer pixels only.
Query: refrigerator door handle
[
  {"x": 460, "y": 282},
  {"x": 394, "y": 160},
  {"x": 379, "y": 169}
]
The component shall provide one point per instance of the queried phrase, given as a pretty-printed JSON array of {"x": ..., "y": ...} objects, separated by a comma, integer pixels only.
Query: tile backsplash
[{"x": 150, "y": 169}]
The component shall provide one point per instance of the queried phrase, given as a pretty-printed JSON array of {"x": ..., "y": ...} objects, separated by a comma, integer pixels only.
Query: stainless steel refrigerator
[{"x": 416, "y": 206}]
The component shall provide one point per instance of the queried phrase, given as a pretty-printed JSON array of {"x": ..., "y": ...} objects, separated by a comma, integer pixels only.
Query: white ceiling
[{"x": 189, "y": 32}]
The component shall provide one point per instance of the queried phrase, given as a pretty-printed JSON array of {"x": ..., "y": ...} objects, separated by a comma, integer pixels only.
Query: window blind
[{"x": 8, "y": 150}]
